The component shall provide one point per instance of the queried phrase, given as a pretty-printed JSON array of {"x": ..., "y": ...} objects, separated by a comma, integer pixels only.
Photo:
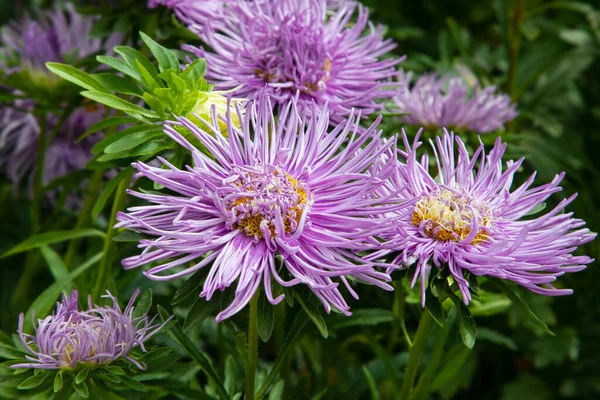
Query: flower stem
[
  {"x": 252, "y": 347},
  {"x": 416, "y": 353},
  {"x": 105, "y": 265},
  {"x": 84, "y": 214},
  {"x": 38, "y": 179}
]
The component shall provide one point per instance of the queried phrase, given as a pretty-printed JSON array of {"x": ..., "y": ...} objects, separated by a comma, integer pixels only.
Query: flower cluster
[
  {"x": 98, "y": 335},
  {"x": 289, "y": 46},
  {"x": 435, "y": 102}
]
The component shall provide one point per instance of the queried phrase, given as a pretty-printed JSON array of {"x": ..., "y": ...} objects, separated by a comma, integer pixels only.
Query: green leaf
[
  {"x": 32, "y": 381},
  {"x": 199, "y": 311},
  {"x": 266, "y": 318},
  {"x": 81, "y": 389},
  {"x": 140, "y": 62},
  {"x": 538, "y": 208},
  {"x": 230, "y": 375},
  {"x": 101, "y": 145},
  {"x": 55, "y": 264},
  {"x": 106, "y": 123},
  {"x": 45, "y": 301},
  {"x": 58, "y": 382},
  {"x": 495, "y": 337},
  {"x": 190, "y": 286},
  {"x": 111, "y": 186},
  {"x": 151, "y": 78},
  {"x": 129, "y": 236},
  {"x": 294, "y": 334},
  {"x": 75, "y": 76},
  {"x": 166, "y": 59},
  {"x": 361, "y": 317},
  {"x": 117, "y": 84},
  {"x": 132, "y": 383},
  {"x": 312, "y": 311},
  {"x": 150, "y": 148},
  {"x": 120, "y": 66},
  {"x": 468, "y": 329},
  {"x": 131, "y": 141},
  {"x": 371, "y": 382},
  {"x": 194, "y": 74},
  {"x": 176, "y": 333},
  {"x": 82, "y": 375},
  {"x": 511, "y": 293},
  {"x": 143, "y": 304},
  {"x": 277, "y": 391},
  {"x": 52, "y": 237},
  {"x": 115, "y": 370},
  {"x": 117, "y": 103},
  {"x": 436, "y": 311}
]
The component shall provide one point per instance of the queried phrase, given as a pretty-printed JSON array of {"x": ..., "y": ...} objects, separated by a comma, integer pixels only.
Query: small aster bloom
[
  {"x": 471, "y": 219},
  {"x": 284, "y": 187},
  {"x": 290, "y": 46},
  {"x": 96, "y": 336},
  {"x": 56, "y": 36},
  {"x": 435, "y": 102}
]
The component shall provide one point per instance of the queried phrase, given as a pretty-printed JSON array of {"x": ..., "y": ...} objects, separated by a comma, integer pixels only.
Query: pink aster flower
[
  {"x": 290, "y": 46},
  {"x": 283, "y": 187},
  {"x": 98, "y": 335},
  {"x": 471, "y": 219},
  {"x": 435, "y": 102}
]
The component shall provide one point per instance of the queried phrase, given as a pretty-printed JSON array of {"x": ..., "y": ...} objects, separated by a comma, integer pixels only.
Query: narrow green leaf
[
  {"x": 143, "y": 304},
  {"x": 132, "y": 383},
  {"x": 52, "y": 237},
  {"x": 58, "y": 382},
  {"x": 82, "y": 375},
  {"x": 194, "y": 74},
  {"x": 55, "y": 264},
  {"x": 313, "y": 312},
  {"x": 131, "y": 141},
  {"x": 120, "y": 66},
  {"x": 199, "y": 311},
  {"x": 101, "y": 145},
  {"x": 75, "y": 76},
  {"x": 190, "y": 286},
  {"x": 361, "y": 317},
  {"x": 151, "y": 78},
  {"x": 129, "y": 236},
  {"x": 32, "y": 381},
  {"x": 108, "y": 191},
  {"x": 230, "y": 375},
  {"x": 371, "y": 382},
  {"x": 81, "y": 389},
  {"x": 150, "y": 148},
  {"x": 292, "y": 337},
  {"x": 266, "y": 318},
  {"x": 166, "y": 59},
  {"x": 511, "y": 293},
  {"x": 468, "y": 329},
  {"x": 117, "y": 103},
  {"x": 106, "y": 123},
  {"x": 116, "y": 370},
  {"x": 140, "y": 62},
  {"x": 176, "y": 333},
  {"x": 118, "y": 84},
  {"x": 277, "y": 391},
  {"x": 436, "y": 311}
]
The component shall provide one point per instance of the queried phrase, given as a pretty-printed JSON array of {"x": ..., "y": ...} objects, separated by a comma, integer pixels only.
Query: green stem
[
  {"x": 105, "y": 265},
  {"x": 416, "y": 353},
  {"x": 252, "y": 347},
  {"x": 38, "y": 179},
  {"x": 280, "y": 316},
  {"x": 84, "y": 214}
]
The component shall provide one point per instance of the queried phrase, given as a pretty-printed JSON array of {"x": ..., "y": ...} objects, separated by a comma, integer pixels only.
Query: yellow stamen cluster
[{"x": 449, "y": 216}]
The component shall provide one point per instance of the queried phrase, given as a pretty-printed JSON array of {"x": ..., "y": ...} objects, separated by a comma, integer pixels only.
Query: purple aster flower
[
  {"x": 287, "y": 46},
  {"x": 435, "y": 102},
  {"x": 284, "y": 187},
  {"x": 470, "y": 220},
  {"x": 98, "y": 335},
  {"x": 193, "y": 13}
]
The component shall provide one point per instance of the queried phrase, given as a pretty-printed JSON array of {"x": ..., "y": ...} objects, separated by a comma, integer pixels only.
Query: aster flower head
[
  {"x": 471, "y": 219},
  {"x": 436, "y": 102},
  {"x": 290, "y": 46},
  {"x": 96, "y": 336},
  {"x": 271, "y": 188}
]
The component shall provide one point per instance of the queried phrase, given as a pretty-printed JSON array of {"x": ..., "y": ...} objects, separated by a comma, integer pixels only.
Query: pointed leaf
[
  {"x": 32, "y": 381},
  {"x": 166, "y": 59},
  {"x": 58, "y": 382},
  {"x": 312, "y": 311},
  {"x": 108, "y": 190},
  {"x": 117, "y": 103},
  {"x": 266, "y": 318},
  {"x": 75, "y": 76},
  {"x": 52, "y": 237},
  {"x": 199, "y": 311}
]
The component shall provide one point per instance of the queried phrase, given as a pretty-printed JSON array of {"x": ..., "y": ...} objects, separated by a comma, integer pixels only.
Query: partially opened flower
[
  {"x": 96, "y": 336},
  {"x": 435, "y": 102},
  {"x": 466, "y": 216},
  {"x": 283, "y": 187},
  {"x": 290, "y": 46}
]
